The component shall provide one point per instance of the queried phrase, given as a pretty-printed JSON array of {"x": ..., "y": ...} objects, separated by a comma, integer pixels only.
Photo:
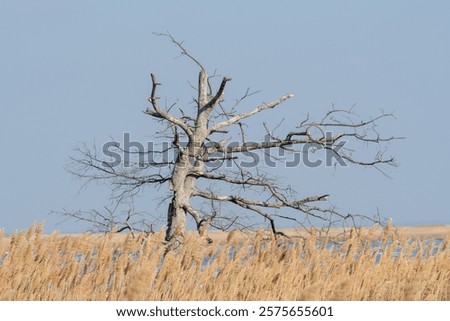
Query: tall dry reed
[{"x": 34, "y": 266}]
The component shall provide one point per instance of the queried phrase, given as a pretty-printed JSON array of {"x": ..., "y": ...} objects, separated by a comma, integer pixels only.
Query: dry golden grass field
[{"x": 401, "y": 266}]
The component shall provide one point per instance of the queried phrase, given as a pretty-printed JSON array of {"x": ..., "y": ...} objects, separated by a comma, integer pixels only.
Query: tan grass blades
[{"x": 34, "y": 266}]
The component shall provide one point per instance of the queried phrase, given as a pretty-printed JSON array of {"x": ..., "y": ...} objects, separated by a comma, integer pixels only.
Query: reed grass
[{"x": 34, "y": 266}]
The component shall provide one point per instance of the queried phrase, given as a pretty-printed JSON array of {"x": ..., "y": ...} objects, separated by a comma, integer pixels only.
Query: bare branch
[
  {"x": 240, "y": 200},
  {"x": 194, "y": 213},
  {"x": 158, "y": 112},
  {"x": 180, "y": 45},
  {"x": 250, "y": 113},
  {"x": 217, "y": 97}
]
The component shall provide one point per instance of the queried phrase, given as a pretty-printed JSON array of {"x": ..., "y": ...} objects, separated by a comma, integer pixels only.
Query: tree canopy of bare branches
[{"x": 207, "y": 147}]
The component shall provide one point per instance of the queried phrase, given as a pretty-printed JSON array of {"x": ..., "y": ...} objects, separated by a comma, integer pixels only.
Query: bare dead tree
[{"x": 209, "y": 152}]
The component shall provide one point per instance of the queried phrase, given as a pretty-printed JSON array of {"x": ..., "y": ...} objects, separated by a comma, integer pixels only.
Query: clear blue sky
[{"x": 78, "y": 71}]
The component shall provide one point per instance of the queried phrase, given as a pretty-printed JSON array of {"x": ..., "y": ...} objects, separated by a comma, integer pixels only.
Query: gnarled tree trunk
[{"x": 190, "y": 160}]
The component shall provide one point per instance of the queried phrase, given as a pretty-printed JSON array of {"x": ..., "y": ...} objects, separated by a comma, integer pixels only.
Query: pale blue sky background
[{"x": 78, "y": 71}]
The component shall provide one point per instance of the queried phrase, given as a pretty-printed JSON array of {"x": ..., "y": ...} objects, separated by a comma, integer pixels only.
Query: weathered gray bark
[{"x": 190, "y": 160}]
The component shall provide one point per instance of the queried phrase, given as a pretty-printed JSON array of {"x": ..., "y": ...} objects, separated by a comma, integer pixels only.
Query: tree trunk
[{"x": 176, "y": 224}]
